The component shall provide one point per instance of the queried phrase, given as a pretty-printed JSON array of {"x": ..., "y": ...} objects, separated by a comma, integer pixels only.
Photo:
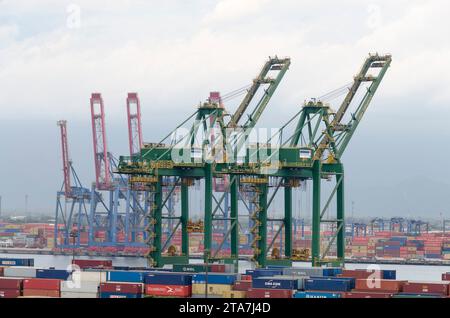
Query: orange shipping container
[{"x": 379, "y": 285}]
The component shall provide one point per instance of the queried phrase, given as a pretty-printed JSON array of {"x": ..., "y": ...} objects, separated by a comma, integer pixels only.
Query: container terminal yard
[
  {"x": 205, "y": 199},
  {"x": 139, "y": 207}
]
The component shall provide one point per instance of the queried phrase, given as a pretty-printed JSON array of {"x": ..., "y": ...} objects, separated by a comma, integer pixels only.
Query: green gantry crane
[
  {"x": 312, "y": 152},
  {"x": 193, "y": 156}
]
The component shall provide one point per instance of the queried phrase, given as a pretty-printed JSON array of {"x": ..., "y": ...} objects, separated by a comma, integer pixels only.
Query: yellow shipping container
[
  {"x": 213, "y": 289},
  {"x": 235, "y": 294}
]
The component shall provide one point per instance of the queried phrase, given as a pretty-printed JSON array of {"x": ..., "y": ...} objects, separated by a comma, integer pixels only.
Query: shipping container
[
  {"x": 327, "y": 284},
  {"x": 269, "y": 293},
  {"x": 235, "y": 294},
  {"x": 126, "y": 288},
  {"x": 90, "y": 276},
  {"x": 379, "y": 285},
  {"x": 214, "y": 278},
  {"x": 446, "y": 276},
  {"x": 242, "y": 285},
  {"x": 41, "y": 293},
  {"x": 213, "y": 289},
  {"x": 53, "y": 274},
  {"x": 310, "y": 294},
  {"x": 126, "y": 276},
  {"x": 41, "y": 283},
  {"x": 29, "y": 262},
  {"x": 91, "y": 263},
  {"x": 168, "y": 290},
  {"x": 11, "y": 283},
  {"x": 411, "y": 295},
  {"x": 299, "y": 271},
  {"x": 26, "y": 272},
  {"x": 119, "y": 295},
  {"x": 441, "y": 288},
  {"x": 277, "y": 283},
  {"x": 357, "y": 294},
  {"x": 9, "y": 293},
  {"x": 82, "y": 287},
  {"x": 264, "y": 272},
  {"x": 159, "y": 278},
  {"x": 66, "y": 294}
]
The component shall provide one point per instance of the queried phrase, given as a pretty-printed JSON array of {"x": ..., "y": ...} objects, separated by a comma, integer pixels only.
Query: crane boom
[
  {"x": 65, "y": 158},
  {"x": 280, "y": 66},
  {"x": 338, "y": 142}
]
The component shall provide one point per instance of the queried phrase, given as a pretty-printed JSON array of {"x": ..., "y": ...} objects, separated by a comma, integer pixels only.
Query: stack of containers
[
  {"x": 218, "y": 284},
  {"x": 261, "y": 280},
  {"x": 163, "y": 284},
  {"x": 121, "y": 290},
  {"x": 82, "y": 285},
  {"x": 41, "y": 287},
  {"x": 10, "y": 287},
  {"x": 433, "y": 248},
  {"x": 446, "y": 250}
]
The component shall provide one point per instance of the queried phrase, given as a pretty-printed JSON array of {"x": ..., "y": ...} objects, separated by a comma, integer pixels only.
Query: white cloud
[{"x": 230, "y": 10}]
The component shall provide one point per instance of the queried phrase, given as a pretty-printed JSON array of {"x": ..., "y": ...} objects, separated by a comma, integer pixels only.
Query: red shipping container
[
  {"x": 9, "y": 293},
  {"x": 217, "y": 268},
  {"x": 379, "y": 285},
  {"x": 242, "y": 285},
  {"x": 426, "y": 288},
  {"x": 41, "y": 293},
  {"x": 11, "y": 283},
  {"x": 269, "y": 293},
  {"x": 1, "y": 271},
  {"x": 168, "y": 290},
  {"x": 367, "y": 295},
  {"x": 446, "y": 276},
  {"x": 92, "y": 263},
  {"x": 127, "y": 288},
  {"x": 246, "y": 277},
  {"x": 42, "y": 284},
  {"x": 359, "y": 274}
]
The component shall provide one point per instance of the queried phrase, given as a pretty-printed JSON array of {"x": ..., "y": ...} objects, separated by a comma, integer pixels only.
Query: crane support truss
[{"x": 311, "y": 154}]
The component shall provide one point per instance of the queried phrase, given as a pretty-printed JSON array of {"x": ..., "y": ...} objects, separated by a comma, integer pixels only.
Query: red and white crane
[
  {"x": 134, "y": 124},
  {"x": 101, "y": 156}
]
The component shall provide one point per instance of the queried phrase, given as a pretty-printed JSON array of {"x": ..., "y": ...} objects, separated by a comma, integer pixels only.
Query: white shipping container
[
  {"x": 90, "y": 276},
  {"x": 25, "y": 272},
  {"x": 78, "y": 295},
  {"x": 84, "y": 287}
]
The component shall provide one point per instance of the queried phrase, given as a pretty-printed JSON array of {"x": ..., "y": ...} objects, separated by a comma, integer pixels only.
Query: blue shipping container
[
  {"x": 277, "y": 283},
  {"x": 28, "y": 262},
  {"x": 125, "y": 276},
  {"x": 160, "y": 278},
  {"x": 389, "y": 274},
  {"x": 214, "y": 278},
  {"x": 332, "y": 271},
  {"x": 327, "y": 284},
  {"x": 316, "y": 295},
  {"x": 265, "y": 272},
  {"x": 119, "y": 295},
  {"x": 53, "y": 274}
]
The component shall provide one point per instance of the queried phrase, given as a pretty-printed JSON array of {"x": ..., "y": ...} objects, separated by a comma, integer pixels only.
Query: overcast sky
[{"x": 55, "y": 53}]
